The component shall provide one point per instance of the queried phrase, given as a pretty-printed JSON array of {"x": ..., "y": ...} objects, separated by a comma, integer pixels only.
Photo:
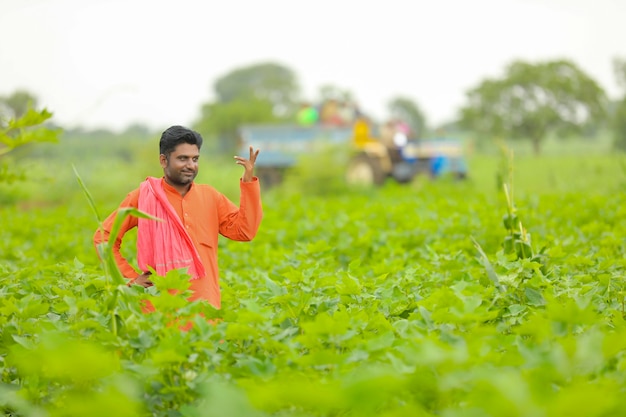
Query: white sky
[{"x": 99, "y": 63}]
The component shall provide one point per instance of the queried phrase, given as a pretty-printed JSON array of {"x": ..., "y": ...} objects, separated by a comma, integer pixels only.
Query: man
[{"x": 193, "y": 216}]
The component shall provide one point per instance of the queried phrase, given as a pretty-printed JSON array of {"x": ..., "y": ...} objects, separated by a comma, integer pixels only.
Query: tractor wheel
[
  {"x": 364, "y": 170},
  {"x": 269, "y": 176}
]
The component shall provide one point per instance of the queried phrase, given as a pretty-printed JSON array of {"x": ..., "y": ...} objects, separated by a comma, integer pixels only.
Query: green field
[{"x": 349, "y": 302}]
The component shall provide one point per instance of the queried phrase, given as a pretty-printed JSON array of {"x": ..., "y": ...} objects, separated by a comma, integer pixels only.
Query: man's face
[{"x": 182, "y": 165}]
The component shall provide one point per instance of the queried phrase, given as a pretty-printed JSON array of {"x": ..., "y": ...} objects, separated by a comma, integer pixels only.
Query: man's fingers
[
  {"x": 144, "y": 281},
  {"x": 253, "y": 154}
]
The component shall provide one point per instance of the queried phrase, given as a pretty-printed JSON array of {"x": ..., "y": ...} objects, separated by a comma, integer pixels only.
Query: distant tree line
[{"x": 530, "y": 101}]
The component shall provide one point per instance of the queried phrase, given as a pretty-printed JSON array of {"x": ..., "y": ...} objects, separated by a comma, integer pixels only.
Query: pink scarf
[{"x": 163, "y": 245}]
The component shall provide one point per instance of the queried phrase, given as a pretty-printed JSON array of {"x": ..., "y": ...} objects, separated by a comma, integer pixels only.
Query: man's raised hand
[{"x": 248, "y": 164}]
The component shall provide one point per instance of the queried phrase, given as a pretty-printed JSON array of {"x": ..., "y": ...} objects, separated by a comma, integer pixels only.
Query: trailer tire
[
  {"x": 270, "y": 177},
  {"x": 364, "y": 170}
]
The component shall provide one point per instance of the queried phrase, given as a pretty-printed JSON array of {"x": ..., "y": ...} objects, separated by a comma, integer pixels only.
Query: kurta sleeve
[
  {"x": 241, "y": 223},
  {"x": 102, "y": 235}
]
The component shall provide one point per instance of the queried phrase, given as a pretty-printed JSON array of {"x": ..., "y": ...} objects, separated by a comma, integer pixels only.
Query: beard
[
  {"x": 187, "y": 177},
  {"x": 181, "y": 177}
]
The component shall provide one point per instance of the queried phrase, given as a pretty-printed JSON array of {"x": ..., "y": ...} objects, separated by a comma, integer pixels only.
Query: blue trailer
[
  {"x": 371, "y": 161},
  {"x": 282, "y": 145}
]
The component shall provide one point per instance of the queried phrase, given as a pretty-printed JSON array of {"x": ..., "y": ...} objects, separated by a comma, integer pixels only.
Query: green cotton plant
[
  {"x": 26, "y": 129},
  {"x": 519, "y": 272},
  {"x": 61, "y": 372},
  {"x": 320, "y": 172},
  {"x": 22, "y": 131},
  {"x": 518, "y": 240}
]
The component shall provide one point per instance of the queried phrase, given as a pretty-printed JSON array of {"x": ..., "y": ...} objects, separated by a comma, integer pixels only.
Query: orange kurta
[{"x": 205, "y": 213}]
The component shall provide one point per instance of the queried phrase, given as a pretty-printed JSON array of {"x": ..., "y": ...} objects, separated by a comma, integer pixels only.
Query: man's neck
[{"x": 182, "y": 189}]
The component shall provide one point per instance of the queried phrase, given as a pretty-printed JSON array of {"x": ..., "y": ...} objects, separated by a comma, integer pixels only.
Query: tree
[
  {"x": 266, "y": 81},
  {"x": 17, "y": 104},
  {"x": 618, "y": 117},
  {"x": 407, "y": 110},
  {"x": 534, "y": 100},
  {"x": 261, "y": 93}
]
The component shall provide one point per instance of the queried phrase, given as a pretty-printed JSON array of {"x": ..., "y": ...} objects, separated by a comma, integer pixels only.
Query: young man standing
[{"x": 193, "y": 215}]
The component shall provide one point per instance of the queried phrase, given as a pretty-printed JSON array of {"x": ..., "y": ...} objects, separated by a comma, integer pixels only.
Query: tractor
[{"x": 375, "y": 159}]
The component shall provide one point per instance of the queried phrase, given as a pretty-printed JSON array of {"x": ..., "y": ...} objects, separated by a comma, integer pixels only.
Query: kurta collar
[{"x": 169, "y": 189}]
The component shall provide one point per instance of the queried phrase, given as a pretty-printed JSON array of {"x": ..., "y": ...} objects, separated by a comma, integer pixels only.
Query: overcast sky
[{"x": 106, "y": 63}]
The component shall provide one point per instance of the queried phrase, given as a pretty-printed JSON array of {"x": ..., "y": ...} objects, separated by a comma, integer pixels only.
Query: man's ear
[{"x": 163, "y": 161}]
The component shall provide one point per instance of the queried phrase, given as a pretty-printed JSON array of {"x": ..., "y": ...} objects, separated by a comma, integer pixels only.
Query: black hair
[{"x": 174, "y": 136}]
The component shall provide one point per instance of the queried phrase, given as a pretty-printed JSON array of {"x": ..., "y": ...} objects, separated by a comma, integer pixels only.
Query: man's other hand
[{"x": 143, "y": 280}]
